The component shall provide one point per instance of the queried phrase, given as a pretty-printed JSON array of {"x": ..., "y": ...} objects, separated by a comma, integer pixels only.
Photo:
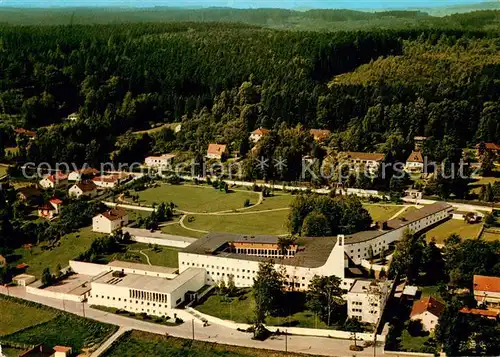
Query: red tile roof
[
  {"x": 427, "y": 304},
  {"x": 485, "y": 313},
  {"x": 368, "y": 156},
  {"x": 58, "y": 176},
  {"x": 89, "y": 171},
  {"x": 62, "y": 349},
  {"x": 112, "y": 178},
  {"x": 56, "y": 201},
  {"x": 114, "y": 214},
  {"x": 486, "y": 283},
  {"x": 415, "y": 156},
  {"x": 26, "y": 132},
  {"x": 261, "y": 131},
  {"x": 216, "y": 149},
  {"x": 86, "y": 186},
  {"x": 490, "y": 146},
  {"x": 320, "y": 134}
]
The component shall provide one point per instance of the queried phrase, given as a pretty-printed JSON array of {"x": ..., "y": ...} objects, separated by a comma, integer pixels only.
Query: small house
[
  {"x": 53, "y": 181},
  {"x": 258, "y": 134},
  {"x": 83, "y": 189},
  {"x": 415, "y": 162},
  {"x": 109, "y": 221},
  {"x": 427, "y": 310},
  {"x": 217, "y": 151}
]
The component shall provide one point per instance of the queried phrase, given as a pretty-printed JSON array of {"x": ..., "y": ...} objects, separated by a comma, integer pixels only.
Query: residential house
[
  {"x": 109, "y": 221},
  {"x": 25, "y": 133},
  {"x": 491, "y": 147},
  {"x": 427, "y": 310},
  {"x": 217, "y": 151},
  {"x": 366, "y": 300},
  {"x": 258, "y": 134},
  {"x": 370, "y": 162},
  {"x": 53, "y": 181},
  {"x": 29, "y": 195},
  {"x": 415, "y": 162},
  {"x": 51, "y": 209},
  {"x": 320, "y": 134},
  {"x": 83, "y": 189},
  {"x": 161, "y": 161},
  {"x": 82, "y": 174},
  {"x": 107, "y": 181},
  {"x": 487, "y": 290}
]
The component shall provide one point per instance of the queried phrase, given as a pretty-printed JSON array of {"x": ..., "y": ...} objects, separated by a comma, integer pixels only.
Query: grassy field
[
  {"x": 70, "y": 246},
  {"x": 458, "y": 226},
  {"x": 15, "y": 316},
  {"x": 177, "y": 230},
  {"x": 411, "y": 343},
  {"x": 164, "y": 256},
  {"x": 264, "y": 223},
  {"x": 476, "y": 185},
  {"x": 143, "y": 344},
  {"x": 49, "y": 326},
  {"x": 240, "y": 309},
  {"x": 490, "y": 236},
  {"x": 273, "y": 202},
  {"x": 197, "y": 198},
  {"x": 382, "y": 212}
]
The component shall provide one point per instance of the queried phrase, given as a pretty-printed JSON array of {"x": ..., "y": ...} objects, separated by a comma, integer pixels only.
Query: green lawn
[
  {"x": 197, "y": 198},
  {"x": 381, "y": 213},
  {"x": 411, "y": 343},
  {"x": 165, "y": 256},
  {"x": 241, "y": 310},
  {"x": 259, "y": 223},
  {"x": 70, "y": 246},
  {"x": 15, "y": 316},
  {"x": 273, "y": 202},
  {"x": 458, "y": 226},
  {"x": 476, "y": 185},
  {"x": 490, "y": 236},
  {"x": 177, "y": 230},
  {"x": 433, "y": 291},
  {"x": 143, "y": 344},
  {"x": 31, "y": 324}
]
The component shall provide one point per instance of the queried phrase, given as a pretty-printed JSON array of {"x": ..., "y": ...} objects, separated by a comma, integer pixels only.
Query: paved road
[{"x": 212, "y": 333}]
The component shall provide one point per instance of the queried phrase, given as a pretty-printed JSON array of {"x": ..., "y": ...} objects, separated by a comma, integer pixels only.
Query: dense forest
[{"x": 373, "y": 89}]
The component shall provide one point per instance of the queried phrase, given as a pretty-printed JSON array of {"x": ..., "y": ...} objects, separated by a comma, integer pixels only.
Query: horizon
[{"x": 241, "y": 4}]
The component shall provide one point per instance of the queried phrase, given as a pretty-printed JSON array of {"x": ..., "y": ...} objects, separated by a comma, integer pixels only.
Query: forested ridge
[{"x": 224, "y": 80}]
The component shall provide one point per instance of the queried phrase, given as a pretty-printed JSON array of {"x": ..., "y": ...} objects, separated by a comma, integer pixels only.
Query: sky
[{"x": 288, "y": 4}]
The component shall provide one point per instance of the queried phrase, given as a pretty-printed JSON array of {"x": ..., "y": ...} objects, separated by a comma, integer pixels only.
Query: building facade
[
  {"x": 162, "y": 161},
  {"x": 427, "y": 310},
  {"x": 415, "y": 162},
  {"x": 148, "y": 294},
  {"x": 487, "y": 290},
  {"x": 83, "y": 189},
  {"x": 366, "y": 300},
  {"x": 109, "y": 221}
]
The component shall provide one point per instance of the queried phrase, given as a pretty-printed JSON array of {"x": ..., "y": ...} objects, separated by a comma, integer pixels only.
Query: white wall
[
  {"x": 54, "y": 295},
  {"x": 429, "y": 321},
  {"x": 94, "y": 269}
]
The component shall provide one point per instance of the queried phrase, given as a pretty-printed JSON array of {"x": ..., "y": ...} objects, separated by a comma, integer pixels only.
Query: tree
[
  {"x": 324, "y": 297},
  {"x": 432, "y": 264},
  {"x": 352, "y": 325},
  {"x": 316, "y": 225},
  {"x": 267, "y": 291},
  {"x": 231, "y": 287},
  {"x": 407, "y": 256},
  {"x": 47, "y": 277}
]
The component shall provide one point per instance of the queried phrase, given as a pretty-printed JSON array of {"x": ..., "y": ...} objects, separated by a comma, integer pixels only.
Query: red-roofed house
[
  {"x": 257, "y": 134},
  {"x": 428, "y": 311},
  {"x": 487, "y": 290},
  {"x": 83, "y": 189},
  {"x": 108, "y": 181},
  {"x": 320, "y": 134},
  {"x": 109, "y": 221},
  {"x": 52, "y": 181},
  {"x": 50, "y": 210},
  {"x": 415, "y": 162},
  {"x": 79, "y": 175},
  {"x": 216, "y": 151},
  {"x": 489, "y": 314}
]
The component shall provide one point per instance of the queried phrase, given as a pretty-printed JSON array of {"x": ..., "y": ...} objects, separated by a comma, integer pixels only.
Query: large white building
[
  {"x": 224, "y": 254},
  {"x": 366, "y": 300},
  {"x": 109, "y": 221},
  {"x": 162, "y": 161},
  {"x": 145, "y": 293}
]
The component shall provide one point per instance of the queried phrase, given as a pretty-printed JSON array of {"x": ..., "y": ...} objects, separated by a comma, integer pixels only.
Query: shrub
[
  {"x": 246, "y": 203},
  {"x": 178, "y": 320}
]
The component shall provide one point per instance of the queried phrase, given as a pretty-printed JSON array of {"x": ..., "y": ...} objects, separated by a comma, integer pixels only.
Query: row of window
[
  {"x": 356, "y": 310},
  {"x": 217, "y": 267},
  {"x": 146, "y": 295},
  {"x": 357, "y": 303},
  {"x": 124, "y": 300}
]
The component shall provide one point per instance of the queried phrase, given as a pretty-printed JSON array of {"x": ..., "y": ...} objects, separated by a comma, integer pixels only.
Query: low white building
[
  {"x": 162, "y": 161},
  {"x": 368, "y": 161},
  {"x": 83, "y": 189},
  {"x": 427, "y": 310},
  {"x": 415, "y": 162},
  {"x": 109, "y": 221},
  {"x": 366, "y": 300},
  {"x": 139, "y": 293}
]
